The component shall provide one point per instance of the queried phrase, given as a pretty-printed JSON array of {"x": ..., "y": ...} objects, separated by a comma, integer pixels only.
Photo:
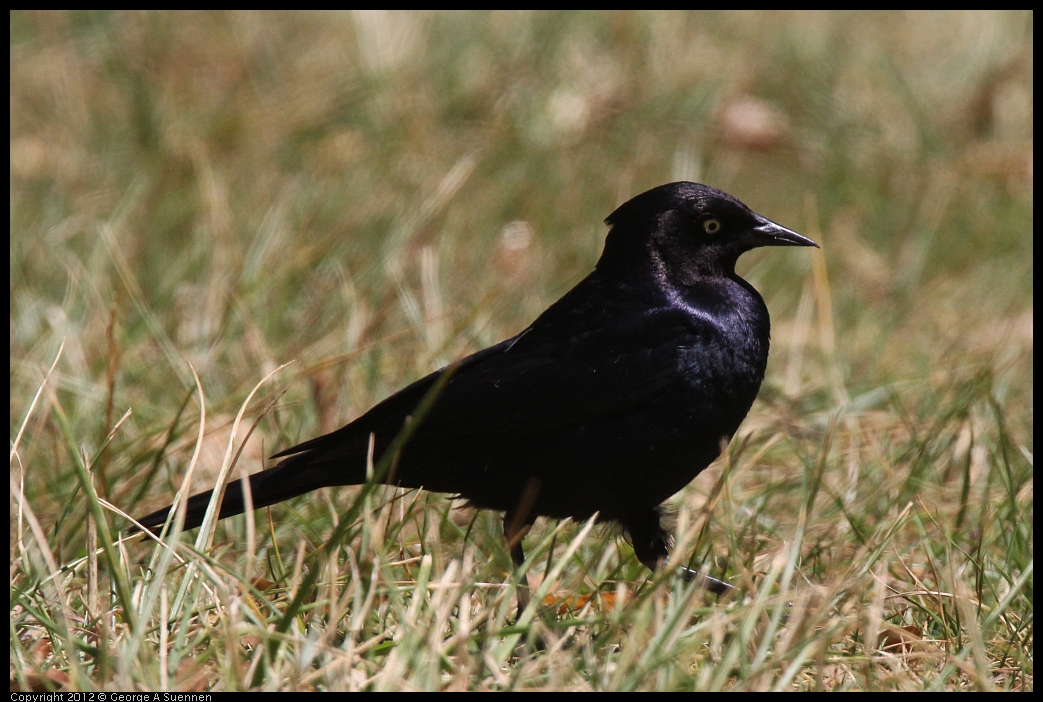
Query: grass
[{"x": 200, "y": 198}]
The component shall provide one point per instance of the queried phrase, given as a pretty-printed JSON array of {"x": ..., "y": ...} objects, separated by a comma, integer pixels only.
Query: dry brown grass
[{"x": 372, "y": 195}]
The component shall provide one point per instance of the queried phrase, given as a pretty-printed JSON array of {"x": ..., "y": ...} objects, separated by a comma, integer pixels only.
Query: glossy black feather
[{"x": 615, "y": 398}]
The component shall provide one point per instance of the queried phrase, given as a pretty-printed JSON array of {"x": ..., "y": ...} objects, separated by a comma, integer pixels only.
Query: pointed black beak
[{"x": 767, "y": 233}]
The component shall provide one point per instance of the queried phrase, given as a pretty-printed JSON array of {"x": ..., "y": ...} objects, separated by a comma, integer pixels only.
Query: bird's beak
[{"x": 767, "y": 233}]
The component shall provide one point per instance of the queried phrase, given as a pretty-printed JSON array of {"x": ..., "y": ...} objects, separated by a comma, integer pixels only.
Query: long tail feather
[{"x": 289, "y": 479}]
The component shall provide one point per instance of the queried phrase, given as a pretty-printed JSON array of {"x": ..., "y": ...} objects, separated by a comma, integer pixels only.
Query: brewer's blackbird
[{"x": 614, "y": 399}]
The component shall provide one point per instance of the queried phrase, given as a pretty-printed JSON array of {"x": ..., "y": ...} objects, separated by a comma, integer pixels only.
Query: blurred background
[
  {"x": 374, "y": 194},
  {"x": 253, "y": 188}
]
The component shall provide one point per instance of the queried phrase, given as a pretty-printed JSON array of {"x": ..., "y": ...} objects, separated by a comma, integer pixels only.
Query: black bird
[{"x": 614, "y": 399}]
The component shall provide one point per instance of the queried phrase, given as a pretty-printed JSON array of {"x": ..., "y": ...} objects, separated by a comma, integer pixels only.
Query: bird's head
[{"x": 690, "y": 231}]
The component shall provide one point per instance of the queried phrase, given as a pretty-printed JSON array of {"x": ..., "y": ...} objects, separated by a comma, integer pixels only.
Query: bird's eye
[{"x": 712, "y": 226}]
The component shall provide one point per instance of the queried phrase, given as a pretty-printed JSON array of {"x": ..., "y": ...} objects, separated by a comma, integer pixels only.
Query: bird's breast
[{"x": 722, "y": 372}]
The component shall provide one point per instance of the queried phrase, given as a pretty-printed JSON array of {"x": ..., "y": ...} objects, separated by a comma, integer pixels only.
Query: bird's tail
[{"x": 292, "y": 477}]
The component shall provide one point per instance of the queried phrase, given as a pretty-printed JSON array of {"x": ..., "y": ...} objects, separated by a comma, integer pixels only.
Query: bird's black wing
[{"x": 536, "y": 382}]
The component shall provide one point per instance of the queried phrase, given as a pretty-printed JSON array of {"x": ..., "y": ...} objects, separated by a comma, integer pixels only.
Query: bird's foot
[{"x": 717, "y": 587}]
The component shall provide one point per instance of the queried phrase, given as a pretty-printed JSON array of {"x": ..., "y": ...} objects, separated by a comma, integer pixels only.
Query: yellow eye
[{"x": 712, "y": 226}]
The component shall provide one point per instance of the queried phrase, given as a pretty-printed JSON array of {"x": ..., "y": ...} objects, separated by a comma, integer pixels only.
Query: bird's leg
[
  {"x": 651, "y": 546},
  {"x": 516, "y": 524},
  {"x": 515, "y": 529}
]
